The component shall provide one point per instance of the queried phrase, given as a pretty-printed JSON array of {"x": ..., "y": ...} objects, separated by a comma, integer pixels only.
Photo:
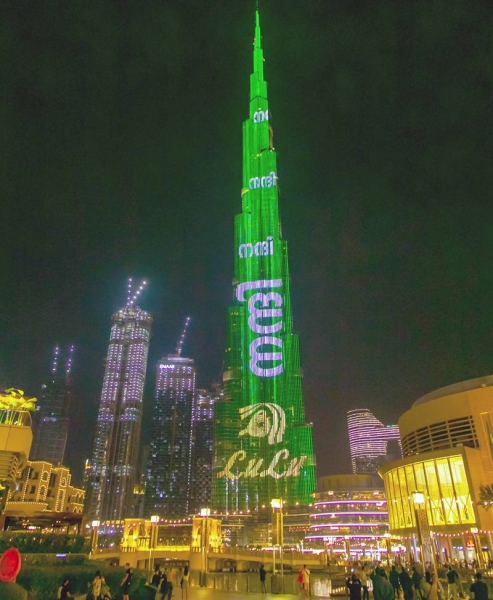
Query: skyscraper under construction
[
  {"x": 263, "y": 446},
  {"x": 112, "y": 471},
  {"x": 51, "y": 423}
]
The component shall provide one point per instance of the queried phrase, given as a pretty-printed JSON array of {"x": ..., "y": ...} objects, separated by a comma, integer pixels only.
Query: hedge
[{"x": 46, "y": 543}]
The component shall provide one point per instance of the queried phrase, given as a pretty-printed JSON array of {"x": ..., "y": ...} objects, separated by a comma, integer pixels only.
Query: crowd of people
[
  {"x": 413, "y": 584},
  {"x": 165, "y": 581},
  {"x": 97, "y": 588},
  {"x": 398, "y": 582}
]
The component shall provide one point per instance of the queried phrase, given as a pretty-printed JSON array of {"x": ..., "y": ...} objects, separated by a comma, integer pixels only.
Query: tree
[{"x": 486, "y": 496}]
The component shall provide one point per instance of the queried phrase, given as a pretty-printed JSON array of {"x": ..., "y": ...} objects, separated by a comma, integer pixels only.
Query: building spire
[{"x": 258, "y": 53}]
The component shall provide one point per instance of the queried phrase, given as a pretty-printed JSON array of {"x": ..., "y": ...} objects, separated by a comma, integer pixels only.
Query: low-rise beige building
[
  {"x": 447, "y": 444},
  {"x": 43, "y": 493}
]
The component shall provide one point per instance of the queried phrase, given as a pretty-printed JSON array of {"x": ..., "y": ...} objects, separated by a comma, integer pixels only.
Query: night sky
[{"x": 121, "y": 156}]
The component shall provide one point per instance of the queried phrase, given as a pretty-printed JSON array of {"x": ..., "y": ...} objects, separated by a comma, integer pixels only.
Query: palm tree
[
  {"x": 486, "y": 496},
  {"x": 13, "y": 404}
]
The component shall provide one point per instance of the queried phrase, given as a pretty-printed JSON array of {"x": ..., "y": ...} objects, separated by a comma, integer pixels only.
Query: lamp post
[
  {"x": 277, "y": 505},
  {"x": 94, "y": 537},
  {"x": 424, "y": 532},
  {"x": 477, "y": 546},
  {"x": 152, "y": 540}
]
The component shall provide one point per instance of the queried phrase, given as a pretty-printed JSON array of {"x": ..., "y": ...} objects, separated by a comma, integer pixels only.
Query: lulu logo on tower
[{"x": 263, "y": 447}]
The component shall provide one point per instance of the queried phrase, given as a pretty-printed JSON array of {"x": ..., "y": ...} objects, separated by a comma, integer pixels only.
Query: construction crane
[
  {"x": 133, "y": 292},
  {"x": 179, "y": 346}
]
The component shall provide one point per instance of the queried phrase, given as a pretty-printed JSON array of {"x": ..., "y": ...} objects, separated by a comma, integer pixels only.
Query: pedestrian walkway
[
  {"x": 198, "y": 593},
  {"x": 210, "y": 594}
]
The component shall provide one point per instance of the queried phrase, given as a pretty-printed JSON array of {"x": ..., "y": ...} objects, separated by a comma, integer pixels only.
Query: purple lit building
[
  {"x": 368, "y": 439},
  {"x": 113, "y": 468}
]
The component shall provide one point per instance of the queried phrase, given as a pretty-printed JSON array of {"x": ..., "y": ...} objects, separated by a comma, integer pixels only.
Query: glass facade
[
  {"x": 263, "y": 447},
  {"x": 443, "y": 482}
]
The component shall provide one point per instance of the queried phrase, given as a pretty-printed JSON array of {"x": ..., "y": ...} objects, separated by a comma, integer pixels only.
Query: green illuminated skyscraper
[{"x": 263, "y": 447}]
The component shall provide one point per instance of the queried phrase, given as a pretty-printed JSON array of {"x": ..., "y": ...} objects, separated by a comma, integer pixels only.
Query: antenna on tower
[
  {"x": 133, "y": 292},
  {"x": 54, "y": 365},
  {"x": 179, "y": 346},
  {"x": 68, "y": 366}
]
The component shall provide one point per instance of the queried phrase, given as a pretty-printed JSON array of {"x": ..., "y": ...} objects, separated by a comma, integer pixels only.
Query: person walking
[
  {"x": 63, "y": 591},
  {"x": 406, "y": 584},
  {"x": 300, "y": 577},
  {"x": 305, "y": 574},
  {"x": 429, "y": 586},
  {"x": 171, "y": 576},
  {"x": 394, "y": 580},
  {"x": 162, "y": 588},
  {"x": 126, "y": 581},
  {"x": 354, "y": 586},
  {"x": 262, "y": 574},
  {"x": 97, "y": 586},
  {"x": 479, "y": 588},
  {"x": 377, "y": 585},
  {"x": 363, "y": 577},
  {"x": 386, "y": 589},
  {"x": 184, "y": 583},
  {"x": 452, "y": 579},
  {"x": 416, "y": 579}
]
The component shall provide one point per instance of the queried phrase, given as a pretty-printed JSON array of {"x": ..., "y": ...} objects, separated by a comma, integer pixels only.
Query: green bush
[
  {"x": 12, "y": 591},
  {"x": 47, "y": 543}
]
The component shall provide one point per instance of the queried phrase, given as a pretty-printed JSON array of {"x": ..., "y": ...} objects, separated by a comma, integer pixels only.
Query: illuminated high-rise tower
[
  {"x": 169, "y": 468},
  {"x": 51, "y": 423},
  {"x": 203, "y": 447},
  {"x": 112, "y": 472},
  {"x": 368, "y": 439},
  {"x": 263, "y": 447}
]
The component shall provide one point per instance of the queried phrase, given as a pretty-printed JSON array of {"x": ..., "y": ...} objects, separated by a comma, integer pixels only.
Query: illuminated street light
[
  {"x": 94, "y": 537},
  {"x": 152, "y": 539},
  {"x": 424, "y": 533},
  {"x": 277, "y": 506}
]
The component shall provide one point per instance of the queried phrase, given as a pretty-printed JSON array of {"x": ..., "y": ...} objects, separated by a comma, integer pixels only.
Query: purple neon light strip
[
  {"x": 365, "y": 537},
  {"x": 340, "y": 525},
  {"x": 378, "y": 502},
  {"x": 361, "y": 512}
]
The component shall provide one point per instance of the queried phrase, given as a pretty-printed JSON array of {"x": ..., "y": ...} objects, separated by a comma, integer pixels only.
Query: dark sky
[{"x": 120, "y": 125}]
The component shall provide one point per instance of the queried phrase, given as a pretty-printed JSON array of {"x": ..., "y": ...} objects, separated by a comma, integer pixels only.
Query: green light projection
[{"x": 263, "y": 447}]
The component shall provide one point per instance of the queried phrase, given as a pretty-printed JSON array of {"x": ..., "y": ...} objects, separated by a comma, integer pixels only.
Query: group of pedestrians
[
  {"x": 97, "y": 588},
  {"x": 390, "y": 586},
  {"x": 166, "y": 581},
  {"x": 414, "y": 585}
]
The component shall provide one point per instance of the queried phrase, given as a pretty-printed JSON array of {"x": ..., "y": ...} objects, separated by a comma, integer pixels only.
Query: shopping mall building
[
  {"x": 349, "y": 518},
  {"x": 447, "y": 445}
]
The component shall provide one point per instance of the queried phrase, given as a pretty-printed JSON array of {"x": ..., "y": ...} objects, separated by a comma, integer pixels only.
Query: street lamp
[
  {"x": 94, "y": 537},
  {"x": 477, "y": 546},
  {"x": 424, "y": 532},
  {"x": 152, "y": 540},
  {"x": 277, "y": 505}
]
